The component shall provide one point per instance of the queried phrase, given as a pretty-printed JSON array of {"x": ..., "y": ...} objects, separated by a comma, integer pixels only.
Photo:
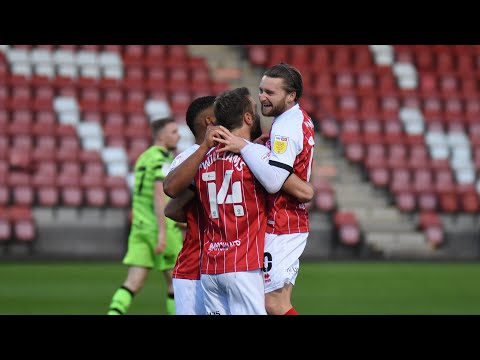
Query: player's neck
[
  {"x": 161, "y": 144},
  {"x": 243, "y": 132},
  {"x": 199, "y": 139}
]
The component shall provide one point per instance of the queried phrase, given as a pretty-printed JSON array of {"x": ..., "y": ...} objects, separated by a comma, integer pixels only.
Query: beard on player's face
[{"x": 256, "y": 130}]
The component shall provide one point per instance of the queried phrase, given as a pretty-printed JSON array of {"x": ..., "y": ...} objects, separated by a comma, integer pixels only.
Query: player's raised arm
[
  {"x": 179, "y": 179},
  {"x": 272, "y": 178}
]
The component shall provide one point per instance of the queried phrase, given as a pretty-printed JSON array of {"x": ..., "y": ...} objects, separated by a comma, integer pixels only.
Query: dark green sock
[
  {"x": 121, "y": 301},
  {"x": 170, "y": 304}
]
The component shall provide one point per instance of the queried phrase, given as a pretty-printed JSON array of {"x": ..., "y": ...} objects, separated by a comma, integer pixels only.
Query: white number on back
[{"x": 222, "y": 198}]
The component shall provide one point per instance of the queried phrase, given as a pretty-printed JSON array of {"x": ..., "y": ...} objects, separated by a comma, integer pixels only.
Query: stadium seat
[
  {"x": 329, "y": 127},
  {"x": 134, "y": 77},
  {"x": 47, "y": 193},
  {"x": 278, "y": 53},
  {"x": 113, "y": 101},
  {"x": 23, "y": 223},
  {"x": 448, "y": 201},
  {"x": 133, "y": 55},
  {"x": 155, "y": 55},
  {"x": 5, "y": 226},
  {"x": 94, "y": 190},
  {"x": 405, "y": 197},
  {"x": 258, "y": 54},
  {"x": 20, "y": 158},
  {"x": 324, "y": 196},
  {"x": 178, "y": 80},
  {"x": 118, "y": 192},
  {"x": 431, "y": 224},
  {"x": 47, "y": 167},
  {"x": 348, "y": 228},
  {"x": 113, "y": 48},
  {"x": 352, "y": 146},
  {"x": 468, "y": 198},
  {"x": 156, "y": 79},
  {"x": 43, "y": 99},
  {"x": 135, "y": 101},
  {"x": 4, "y": 192},
  {"x": 70, "y": 191},
  {"x": 90, "y": 98}
]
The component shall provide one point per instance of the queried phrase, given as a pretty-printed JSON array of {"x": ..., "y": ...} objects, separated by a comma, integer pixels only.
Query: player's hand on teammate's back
[{"x": 232, "y": 142}]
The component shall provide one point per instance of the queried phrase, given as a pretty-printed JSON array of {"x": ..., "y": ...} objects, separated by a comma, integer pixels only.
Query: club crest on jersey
[{"x": 280, "y": 144}]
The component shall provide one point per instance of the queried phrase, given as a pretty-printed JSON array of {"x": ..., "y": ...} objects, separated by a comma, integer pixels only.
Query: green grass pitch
[{"x": 323, "y": 288}]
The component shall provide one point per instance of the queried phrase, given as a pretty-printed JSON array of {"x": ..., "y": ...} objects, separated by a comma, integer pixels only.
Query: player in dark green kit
[{"x": 155, "y": 240}]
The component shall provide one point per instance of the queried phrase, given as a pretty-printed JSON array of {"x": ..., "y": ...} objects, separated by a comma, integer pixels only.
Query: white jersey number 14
[{"x": 222, "y": 197}]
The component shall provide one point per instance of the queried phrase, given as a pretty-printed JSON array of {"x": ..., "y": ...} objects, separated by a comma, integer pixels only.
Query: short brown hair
[
  {"x": 157, "y": 125},
  {"x": 292, "y": 78}
]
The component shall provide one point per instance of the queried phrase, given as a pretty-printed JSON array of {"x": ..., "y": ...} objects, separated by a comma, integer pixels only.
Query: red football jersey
[
  {"x": 188, "y": 260},
  {"x": 291, "y": 143},
  {"x": 234, "y": 203}
]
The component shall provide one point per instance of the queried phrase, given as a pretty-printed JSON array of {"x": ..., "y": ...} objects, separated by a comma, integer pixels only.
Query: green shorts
[{"x": 142, "y": 243}]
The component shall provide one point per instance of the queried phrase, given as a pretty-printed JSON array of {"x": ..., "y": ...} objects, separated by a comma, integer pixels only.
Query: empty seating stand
[{"x": 53, "y": 98}]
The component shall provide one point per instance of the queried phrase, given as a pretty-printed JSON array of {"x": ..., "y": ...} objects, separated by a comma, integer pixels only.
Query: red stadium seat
[
  {"x": 424, "y": 60},
  {"x": 4, "y": 192},
  {"x": 431, "y": 224},
  {"x": 90, "y": 98},
  {"x": 448, "y": 201},
  {"x": 46, "y": 189},
  {"x": 119, "y": 197},
  {"x": 324, "y": 195},
  {"x": 363, "y": 60},
  {"x": 70, "y": 190},
  {"x": 118, "y": 192},
  {"x": 94, "y": 168},
  {"x": 348, "y": 228},
  {"x": 23, "y": 223},
  {"x": 134, "y": 77},
  {"x": 113, "y": 102},
  {"x": 468, "y": 198},
  {"x": 135, "y": 102},
  {"x": 178, "y": 80},
  {"x": 258, "y": 54},
  {"x": 94, "y": 189},
  {"x": 155, "y": 55},
  {"x": 5, "y": 226},
  {"x": 156, "y": 79},
  {"x": 379, "y": 174},
  {"x": 133, "y": 55}
]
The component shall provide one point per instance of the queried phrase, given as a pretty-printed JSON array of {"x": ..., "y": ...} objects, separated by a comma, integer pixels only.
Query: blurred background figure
[{"x": 154, "y": 240}]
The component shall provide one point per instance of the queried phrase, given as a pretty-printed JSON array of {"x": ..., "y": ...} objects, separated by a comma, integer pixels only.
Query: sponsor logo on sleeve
[
  {"x": 266, "y": 157},
  {"x": 280, "y": 144}
]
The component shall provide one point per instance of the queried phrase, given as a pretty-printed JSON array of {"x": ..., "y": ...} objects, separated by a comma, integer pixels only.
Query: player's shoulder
[
  {"x": 184, "y": 155},
  {"x": 187, "y": 152},
  {"x": 156, "y": 153},
  {"x": 290, "y": 117},
  {"x": 259, "y": 147}
]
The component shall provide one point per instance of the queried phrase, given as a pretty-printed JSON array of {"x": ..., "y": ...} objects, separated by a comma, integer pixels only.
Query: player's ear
[
  {"x": 210, "y": 120},
  {"x": 248, "y": 118},
  {"x": 291, "y": 96}
]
